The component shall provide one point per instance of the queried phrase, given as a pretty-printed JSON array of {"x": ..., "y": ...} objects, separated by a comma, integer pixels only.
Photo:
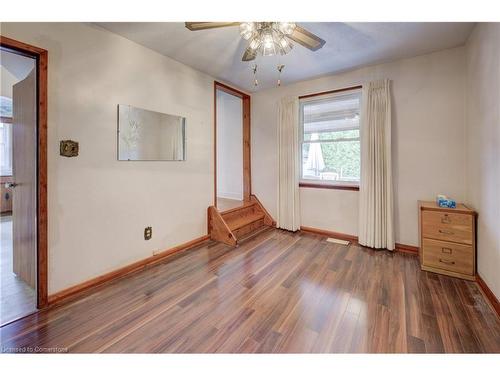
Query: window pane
[
  {"x": 343, "y": 134},
  {"x": 332, "y": 114},
  {"x": 337, "y": 161},
  {"x": 5, "y": 149},
  {"x": 5, "y": 106},
  {"x": 331, "y": 125},
  {"x": 342, "y": 161}
]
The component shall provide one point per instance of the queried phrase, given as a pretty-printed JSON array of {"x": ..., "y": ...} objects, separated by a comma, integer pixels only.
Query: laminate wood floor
[
  {"x": 276, "y": 292},
  {"x": 17, "y": 298}
]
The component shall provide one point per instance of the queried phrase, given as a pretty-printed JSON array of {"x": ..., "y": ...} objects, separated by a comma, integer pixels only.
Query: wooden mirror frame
[{"x": 247, "y": 182}]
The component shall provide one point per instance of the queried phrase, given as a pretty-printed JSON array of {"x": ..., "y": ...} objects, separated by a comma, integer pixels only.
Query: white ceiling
[{"x": 348, "y": 45}]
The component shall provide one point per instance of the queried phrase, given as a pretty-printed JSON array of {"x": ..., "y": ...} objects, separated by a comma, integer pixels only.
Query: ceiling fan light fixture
[
  {"x": 283, "y": 33},
  {"x": 268, "y": 43},
  {"x": 286, "y": 28},
  {"x": 285, "y": 45},
  {"x": 247, "y": 30},
  {"x": 255, "y": 43},
  {"x": 267, "y": 39},
  {"x": 269, "y": 50}
]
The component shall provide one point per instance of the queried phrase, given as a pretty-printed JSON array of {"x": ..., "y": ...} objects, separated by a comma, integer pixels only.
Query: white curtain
[
  {"x": 376, "y": 228},
  {"x": 288, "y": 164}
]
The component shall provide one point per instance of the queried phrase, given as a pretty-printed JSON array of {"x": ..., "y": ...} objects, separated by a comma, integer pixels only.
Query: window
[
  {"x": 5, "y": 136},
  {"x": 329, "y": 139},
  {"x": 5, "y": 149}
]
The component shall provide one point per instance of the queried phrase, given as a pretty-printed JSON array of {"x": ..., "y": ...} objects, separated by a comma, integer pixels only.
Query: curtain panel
[
  {"x": 288, "y": 164},
  {"x": 376, "y": 226}
]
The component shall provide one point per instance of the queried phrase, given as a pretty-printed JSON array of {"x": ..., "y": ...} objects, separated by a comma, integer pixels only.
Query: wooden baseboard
[
  {"x": 349, "y": 237},
  {"x": 409, "y": 249},
  {"x": 490, "y": 296},
  {"x": 74, "y": 291},
  {"x": 323, "y": 232}
]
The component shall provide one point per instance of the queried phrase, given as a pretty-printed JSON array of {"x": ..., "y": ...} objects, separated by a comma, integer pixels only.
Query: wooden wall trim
[
  {"x": 231, "y": 90},
  {"x": 410, "y": 249},
  {"x": 349, "y": 237},
  {"x": 41, "y": 56},
  {"x": 247, "y": 167},
  {"x": 42, "y": 180},
  {"x": 246, "y": 121},
  {"x": 323, "y": 232},
  {"x": 24, "y": 48},
  {"x": 76, "y": 290},
  {"x": 215, "y": 150},
  {"x": 331, "y": 91},
  {"x": 328, "y": 186},
  {"x": 490, "y": 296}
]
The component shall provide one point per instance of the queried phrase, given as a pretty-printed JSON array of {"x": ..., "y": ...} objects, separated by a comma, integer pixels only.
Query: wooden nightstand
[{"x": 448, "y": 240}]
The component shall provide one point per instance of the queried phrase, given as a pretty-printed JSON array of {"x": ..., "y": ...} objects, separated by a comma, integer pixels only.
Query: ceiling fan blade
[
  {"x": 306, "y": 39},
  {"x": 249, "y": 55},
  {"x": 195, "y": 26}
]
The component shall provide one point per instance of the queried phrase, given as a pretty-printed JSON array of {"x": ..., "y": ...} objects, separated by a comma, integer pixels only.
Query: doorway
[
  {"x": 232, "y": 147},
  {"x": 23, "y": 273}
]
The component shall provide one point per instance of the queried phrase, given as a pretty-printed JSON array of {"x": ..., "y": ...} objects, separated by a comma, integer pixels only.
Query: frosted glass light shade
[
  {"x": 286, "y": 27},
  {"x": 268, "y": 43},
  {"x": 285, "y": 45},
  {"x": 247, "y": 30},
  {"x": 268, "y": 38},
  {"x": 255, "y": 43}
]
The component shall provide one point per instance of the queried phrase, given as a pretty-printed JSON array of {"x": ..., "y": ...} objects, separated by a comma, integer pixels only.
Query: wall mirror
[{"x": 149, "y": 135}]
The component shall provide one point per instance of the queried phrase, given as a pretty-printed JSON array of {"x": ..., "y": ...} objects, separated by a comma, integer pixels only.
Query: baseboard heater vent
[{"x": 336, "y": 240}]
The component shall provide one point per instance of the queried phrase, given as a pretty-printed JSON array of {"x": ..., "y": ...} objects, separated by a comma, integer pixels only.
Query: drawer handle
[
  {"x": 446, "y": 250},
  {"x": 446, "y": 261},
  {"x": 446, "y": 219},
  {"x": 444, "y": 231}
]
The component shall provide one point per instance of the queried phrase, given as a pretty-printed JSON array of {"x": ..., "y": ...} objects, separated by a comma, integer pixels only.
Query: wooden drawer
[
  {"x": 447, "y": 226},
  {"x": 448, "y": 256}
]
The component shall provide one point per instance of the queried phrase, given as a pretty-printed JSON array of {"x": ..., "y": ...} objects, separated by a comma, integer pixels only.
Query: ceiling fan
[{"x": 266, "y": 38}]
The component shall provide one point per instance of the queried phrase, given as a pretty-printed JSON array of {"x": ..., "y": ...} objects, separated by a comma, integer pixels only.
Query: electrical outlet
[{"x": 148, "y": 233}]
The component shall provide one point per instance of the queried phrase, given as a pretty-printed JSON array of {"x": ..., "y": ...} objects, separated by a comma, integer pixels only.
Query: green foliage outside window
[{"x": 341, "y": 157}]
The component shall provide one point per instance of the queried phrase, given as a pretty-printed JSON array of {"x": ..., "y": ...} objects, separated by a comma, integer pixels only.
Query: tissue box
[{"x": 444, "y": 201}]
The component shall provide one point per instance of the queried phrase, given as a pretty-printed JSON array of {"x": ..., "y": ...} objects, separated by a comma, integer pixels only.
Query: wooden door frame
[
  {"x": 41, "y": 57},
  {"x": 247, "y": 171}
]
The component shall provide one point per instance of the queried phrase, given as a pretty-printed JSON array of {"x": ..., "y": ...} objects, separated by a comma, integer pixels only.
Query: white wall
[
  {"x": 428, "y": 135},
  {"x": 98, "y": 206},
  {"x": 483, "y": 146},
  {"x": 229, "y": 146}
]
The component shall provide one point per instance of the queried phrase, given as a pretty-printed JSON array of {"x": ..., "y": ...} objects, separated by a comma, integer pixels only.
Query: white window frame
[{"x": 309, "y": 182}]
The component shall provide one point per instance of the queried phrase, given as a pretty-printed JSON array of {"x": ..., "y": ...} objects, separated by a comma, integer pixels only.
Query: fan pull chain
[
  {"x": 280, "y": 68},
  {"x": 255, "y": 81}
]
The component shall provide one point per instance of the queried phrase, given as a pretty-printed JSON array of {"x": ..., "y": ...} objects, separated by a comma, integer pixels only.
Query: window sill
[{"x": 328, "y": 186}]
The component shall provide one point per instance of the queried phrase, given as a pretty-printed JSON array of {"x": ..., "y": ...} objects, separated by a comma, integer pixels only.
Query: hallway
[{"x": 17, "y": 299}]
